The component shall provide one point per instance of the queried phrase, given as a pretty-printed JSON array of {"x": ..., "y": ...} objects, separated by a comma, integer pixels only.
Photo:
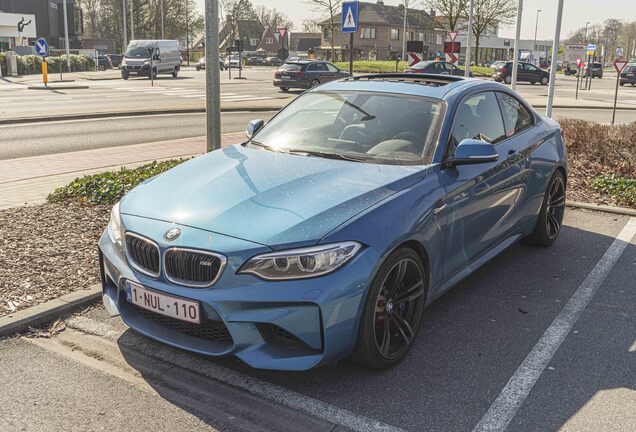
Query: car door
[
  {"x": 440, "y": 68},
  {"x": 533, "y": 73},
  {"x": 335, "y": 72},
  {"x": 454, "y": 70},
  {"x": 480, "y": 205}
]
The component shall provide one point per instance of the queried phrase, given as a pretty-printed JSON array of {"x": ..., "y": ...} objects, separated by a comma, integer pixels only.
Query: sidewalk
[{"x": 28, "y": 181}]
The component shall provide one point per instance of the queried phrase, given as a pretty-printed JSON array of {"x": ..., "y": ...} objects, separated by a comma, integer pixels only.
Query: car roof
[{"x": 427, "y": 85}]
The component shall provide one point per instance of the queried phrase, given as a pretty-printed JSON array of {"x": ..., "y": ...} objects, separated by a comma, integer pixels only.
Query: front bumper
[
  {"x": 285, "y": 325},
  {"x": 143, "y": 70},
  {"x": 628, "y": 79}
]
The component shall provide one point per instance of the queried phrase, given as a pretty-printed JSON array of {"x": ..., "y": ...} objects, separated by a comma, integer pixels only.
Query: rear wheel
[
  {"x": 544, "y": 81},
  {"x": 284, "y": 89},
  {"x": 551, "y": 215},
  {"x": 392, "y": 312},
  {"x": 508, "y": 79},
  {"x": 533, "y": 82},
  {"x": 175, "y": 72},
  {"x": 315, "y": 83}
]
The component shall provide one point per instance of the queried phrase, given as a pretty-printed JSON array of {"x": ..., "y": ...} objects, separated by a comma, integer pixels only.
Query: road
[
  {"x": 34, "y": 139},
  {"x": 97, "y": 374}
]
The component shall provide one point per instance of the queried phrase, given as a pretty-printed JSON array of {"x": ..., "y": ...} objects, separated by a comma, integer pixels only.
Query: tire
[
  {"x": 125, "y": 76},
  {"x": 544, "y": 81},
  {"x": 315, "y": 83},
  {"x": 550, "y": 221},
  {"x": 175, "y": 72},
  {"x": 198, "y": 68},
  {"x": 533, "y": 82},
  {"x": 388, "y": 327},
  {"x": 622, "y": 84},
  {"x": 284, "y": 89},
  {"x": 508, "y": 79}
]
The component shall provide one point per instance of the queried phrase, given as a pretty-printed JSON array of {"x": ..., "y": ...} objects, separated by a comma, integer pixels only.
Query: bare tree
[
  {"x": 628, "y": 39},
  {"x": 311, "y": 25},
  {"x": 273, "y": 18},
  {"x": 487, "y": 15},
  {"x": 236, "y": 10},
  {"x": 454, "y": 12},
  {"x": 329, "y": 8},
  {"x": 611, "y": 33}
]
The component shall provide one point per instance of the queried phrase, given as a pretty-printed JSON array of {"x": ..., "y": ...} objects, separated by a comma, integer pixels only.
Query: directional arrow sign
[
  {"x": 413, "y": 58},
  {"x": 350, "y": 17},
  {"x": 42, "y": 47},
  {"x": 619, "y": 65}
]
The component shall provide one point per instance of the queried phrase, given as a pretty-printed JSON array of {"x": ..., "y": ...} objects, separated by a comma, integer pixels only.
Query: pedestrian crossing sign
[{"x": 350, "y": 17}]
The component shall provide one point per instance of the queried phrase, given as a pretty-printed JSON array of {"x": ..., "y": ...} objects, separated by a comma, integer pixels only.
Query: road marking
[
  {"x": 505, "y": 407},
  {"x": 254, "y": 386}
]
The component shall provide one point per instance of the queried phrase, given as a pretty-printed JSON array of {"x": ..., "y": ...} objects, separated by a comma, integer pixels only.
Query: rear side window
[
  {"x": 292, "y": 67},
  {"x": 321, "y": 67},
  {"x": 477, "y": 117},
  {"x": 311, "y": 68},
  {"x": 516, "y": 116}
]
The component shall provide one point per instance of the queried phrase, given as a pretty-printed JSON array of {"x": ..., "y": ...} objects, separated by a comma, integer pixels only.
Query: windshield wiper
[
  {"x": 328, "y": 155},
  {"x": 267, "y": 147}
]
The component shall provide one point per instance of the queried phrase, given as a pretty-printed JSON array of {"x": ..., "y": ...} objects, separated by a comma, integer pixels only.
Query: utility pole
[
  {"x": 536, "y": 25},
  {"x": 132, "y": 21},
  {"x": 188, "y": 34},
  {"x": 212, "y": 86},
  {"x": 163, "y": 35},
  {"x": 515, "y": 58},
  {"x": 469, "y": 41},
  {"x": 553, "y": 62},
  {"x": 406, "y": 8},
  {"x": 123, "y": 16},
  {"x": 68, "y": 54}
]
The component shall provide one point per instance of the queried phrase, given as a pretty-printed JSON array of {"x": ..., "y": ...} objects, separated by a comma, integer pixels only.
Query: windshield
[
  {"x": 138, "y": 52},
  {"x": 420, "y": 65},
  {"x": 362, "y": 126}
]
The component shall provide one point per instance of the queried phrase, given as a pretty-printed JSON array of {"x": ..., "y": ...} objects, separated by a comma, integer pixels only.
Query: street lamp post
[
  {"x": 188, "y": 33},
  {"x": 132, "y": 21},
  {"x": 469, "y": 41},
  {"x": 163, "y": 36},
  {"x": 536, "y": 26},
  {"x": 515, "y": 58},
  {"x": 406, "y": 7},
  {"x": 212, "y": 78},
  {"x": 123, "y": 16}
]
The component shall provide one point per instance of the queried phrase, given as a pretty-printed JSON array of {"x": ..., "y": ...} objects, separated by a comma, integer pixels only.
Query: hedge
[{"x": 32, "y": 64}]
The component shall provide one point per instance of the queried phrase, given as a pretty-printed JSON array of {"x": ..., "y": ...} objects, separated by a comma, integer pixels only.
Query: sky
[{"x": 575, "y": 14}]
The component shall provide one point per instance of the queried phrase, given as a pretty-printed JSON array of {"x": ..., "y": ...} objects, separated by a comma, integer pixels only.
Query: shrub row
[
  {"x": 32, "y": 64},
  {"x": 109, "y": 187}
]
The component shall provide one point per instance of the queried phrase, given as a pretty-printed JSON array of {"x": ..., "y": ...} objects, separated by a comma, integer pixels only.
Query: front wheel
[
  {"x": 392, "y": 312},
  {"x": 284, "y": 89},
  {"x": 550, "y": 221},
  {"x": 175, "y": 73},
  {"x": 544, "y": 81},
  {"x": 124, "y": 76}
]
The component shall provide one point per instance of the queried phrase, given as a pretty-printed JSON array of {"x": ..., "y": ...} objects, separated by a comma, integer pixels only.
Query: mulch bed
[{"x": 47, "y": 251}]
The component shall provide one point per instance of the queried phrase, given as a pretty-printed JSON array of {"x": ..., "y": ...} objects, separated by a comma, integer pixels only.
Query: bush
[
  {"x": 362, "y": 66},
  {"x": 621, "y": 188},
  {"x": 32, "y": 64},
  {"x": 109, "y": 187}
]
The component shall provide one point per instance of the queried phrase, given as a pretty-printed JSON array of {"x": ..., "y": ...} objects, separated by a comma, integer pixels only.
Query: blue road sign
[
  {"x": 350, "y": 17},
  {"x": 438, "y": 53},
  {"x": 42, "y": 47}
]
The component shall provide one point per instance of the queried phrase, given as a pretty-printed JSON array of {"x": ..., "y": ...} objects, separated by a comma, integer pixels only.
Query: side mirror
[
  {"x": 253, "y": 127},
  {"x": 472, "y": 151}
]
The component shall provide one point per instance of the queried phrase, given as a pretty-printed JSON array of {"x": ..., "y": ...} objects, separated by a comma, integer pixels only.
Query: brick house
[
  {"x": 269, "y": 42},
  {"x": 380, "y": 33}
]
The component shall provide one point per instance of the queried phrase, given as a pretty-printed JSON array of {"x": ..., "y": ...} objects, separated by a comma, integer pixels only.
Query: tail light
[{"x": 502, "y": 69}]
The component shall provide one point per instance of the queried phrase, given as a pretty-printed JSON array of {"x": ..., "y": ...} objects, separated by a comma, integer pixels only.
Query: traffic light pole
[
  {"x": 351, "y": 54},
  {"x": 212, "y": 76}
]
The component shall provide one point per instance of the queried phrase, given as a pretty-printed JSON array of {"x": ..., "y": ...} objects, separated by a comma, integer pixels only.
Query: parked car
[
  {"x": 595, "y": 70},
  {"x": 233, "y": 62},
  {"x": 273, "y": 61},
  {"x": 137, "y": 61},
  {"x": 628, "y": 76},
  {"x": 115, "y": 59},
  {"x": 436, "y": 67},
  {"x": 306, "y": 74},
  {"x": 526, "y": 72},
  {"x": 103, "y": 63},
  {"x": 329, "y": 230},
  {"x": 255, "y": 61},
  {"x": 201, "y": 64}
]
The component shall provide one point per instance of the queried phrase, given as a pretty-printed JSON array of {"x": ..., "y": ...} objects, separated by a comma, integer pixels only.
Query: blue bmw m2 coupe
[{"x": 329, "y": 230}]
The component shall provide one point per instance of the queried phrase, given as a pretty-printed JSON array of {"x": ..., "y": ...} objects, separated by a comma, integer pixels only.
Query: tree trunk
[{"x": 476, "y": 50}]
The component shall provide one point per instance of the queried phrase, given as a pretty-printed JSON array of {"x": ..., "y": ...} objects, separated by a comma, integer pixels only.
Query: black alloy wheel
[
  {"x": 550, "y": 220},
  {"x": 393, "y": 311}
]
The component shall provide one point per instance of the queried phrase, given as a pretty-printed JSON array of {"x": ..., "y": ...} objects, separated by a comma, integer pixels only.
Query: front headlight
[
  {"x": 115, "y": 227},
  {"x": 301, "y": 263}
]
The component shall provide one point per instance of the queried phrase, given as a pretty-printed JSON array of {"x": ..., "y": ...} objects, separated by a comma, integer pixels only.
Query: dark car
[
  {"x": 201, "y": 64},
  {"x": 255, "y": 61},
  {"x": 273, "y": 61},
  {"x": 628, "y": 76},
  {"x": 437, "y": 68},
  {"x": 115, "y": 59},
  {"x": 526, "y": 72},
  {"x": 306, "y": 74},
  {"x": 595, "y": 70},
  {"x": 103, "y": 63}
]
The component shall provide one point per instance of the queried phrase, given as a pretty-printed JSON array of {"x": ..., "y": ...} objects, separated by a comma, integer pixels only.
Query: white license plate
[
  {"x": 285, "y": 77},
  {"x": 132, "y": 73},
  {"x": 174, "y": 307}
]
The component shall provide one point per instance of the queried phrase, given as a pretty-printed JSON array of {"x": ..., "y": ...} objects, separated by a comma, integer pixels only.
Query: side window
[
  {"x": 516, "y": 116},
  {"x": 477, "y": 117},
  {"x": 321, "y": 67},
  {"x": 531, "y": 68},
  {"x": 311, "y": 68},
  {"x": 331, "y": 67},
  {"x": 440, "y": 67}
]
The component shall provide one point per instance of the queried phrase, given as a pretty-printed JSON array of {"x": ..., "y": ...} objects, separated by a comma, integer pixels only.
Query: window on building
[
  {"x": 253, "y": 41},
  {"x": 420, "y": 37},
  {"x": 410, "y": 36},
  {"x": 439, "y": 39},
  {"x": 326, "y": 32},
  {"x": 395, "y": 34},
  {"x": 367, "y": 33},
  {"x": 269, "y": 40}
]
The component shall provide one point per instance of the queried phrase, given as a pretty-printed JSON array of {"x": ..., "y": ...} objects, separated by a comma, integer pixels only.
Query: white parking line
[{"x": 504, "y": 408}]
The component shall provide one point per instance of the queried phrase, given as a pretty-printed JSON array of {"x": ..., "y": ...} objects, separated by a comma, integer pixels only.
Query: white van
[{"x": 137, "y": 61}]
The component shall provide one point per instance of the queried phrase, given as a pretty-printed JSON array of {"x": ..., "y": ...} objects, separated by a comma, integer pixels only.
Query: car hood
[{"x": 267, "y": 197}]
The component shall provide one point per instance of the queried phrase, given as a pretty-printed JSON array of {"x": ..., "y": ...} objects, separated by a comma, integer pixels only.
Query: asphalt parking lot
[{"x": 514, "y": 347}]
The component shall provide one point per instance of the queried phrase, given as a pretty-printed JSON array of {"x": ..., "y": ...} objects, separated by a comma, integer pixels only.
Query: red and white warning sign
[
  {"x": 413, "y": 58},
  {"x": 578, "y": 62},
  {"x": 452, "y": 35},
  {"x": 619, "y": 65}
]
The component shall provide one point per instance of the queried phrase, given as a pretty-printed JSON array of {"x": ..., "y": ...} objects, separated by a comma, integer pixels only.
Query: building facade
[
  {"x": 380, "y": 33},
  {"x": 47, "y": 21}
]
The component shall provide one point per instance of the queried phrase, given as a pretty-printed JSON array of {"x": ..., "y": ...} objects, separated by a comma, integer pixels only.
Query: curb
[
  {"x": 48, "y": 311},
  {"x": 64, "y": 117},
  {"x": 61, "y": 87},
  {"x": 602, "y": 208}
]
